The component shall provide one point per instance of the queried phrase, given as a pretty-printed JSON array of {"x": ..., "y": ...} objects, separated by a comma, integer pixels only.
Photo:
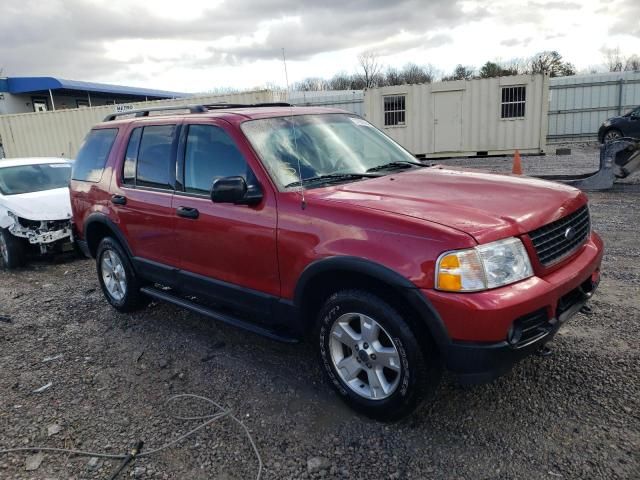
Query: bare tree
[
  {"x": 371, "y": 68},
  {"x": 515, "y": 66},
  {"x": 391, "y": 76},
  {"x": 632, "y": 63},
  {"x": 311, "y": 84},
  {"x": 412, "y": 73},
  {"x": 614, "y": 60},
  {"x": 341, "y": 81},
  {"x": 357, "y": 82}
]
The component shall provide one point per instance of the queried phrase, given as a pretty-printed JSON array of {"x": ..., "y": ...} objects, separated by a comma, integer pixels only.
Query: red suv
[{"x": 309, "y": 222}]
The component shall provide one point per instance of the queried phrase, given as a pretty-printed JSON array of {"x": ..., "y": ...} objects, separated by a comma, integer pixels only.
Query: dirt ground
[{"x": 574, "y": 414}]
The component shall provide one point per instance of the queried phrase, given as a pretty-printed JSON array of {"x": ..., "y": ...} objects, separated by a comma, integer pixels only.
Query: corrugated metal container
[
  {"x": 464, "y": 117},
  {"x": 60, "y": 133},
  {"x": 579, "y": 104},
  {"x": 349, "y": 100}
]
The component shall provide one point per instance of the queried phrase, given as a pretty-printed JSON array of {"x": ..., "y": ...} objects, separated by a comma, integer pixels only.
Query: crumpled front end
[{"x": 44, "y": 233}]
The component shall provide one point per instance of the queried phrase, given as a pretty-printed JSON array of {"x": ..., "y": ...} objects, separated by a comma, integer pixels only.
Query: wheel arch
[
  {"x": 96, "y": 227},
  {"x": 326, "y": 276}
]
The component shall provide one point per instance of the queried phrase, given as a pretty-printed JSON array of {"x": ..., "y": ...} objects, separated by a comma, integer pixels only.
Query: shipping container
[
  {"x": 60, "y": 133},
  {"x": 489, "y": 116}
]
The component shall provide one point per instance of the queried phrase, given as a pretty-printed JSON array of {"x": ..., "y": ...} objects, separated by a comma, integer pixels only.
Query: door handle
[
  {"x": 118, "y": 199},
  {"x": 188, "y": 212}
]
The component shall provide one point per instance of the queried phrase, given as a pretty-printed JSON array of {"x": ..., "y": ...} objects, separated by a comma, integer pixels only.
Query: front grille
[{"x": 554, "y": 241}]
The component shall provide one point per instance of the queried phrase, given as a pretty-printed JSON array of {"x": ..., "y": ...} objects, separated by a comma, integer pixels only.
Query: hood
[
  {"x": 612, "y": 120},
  {"x": 46, "y": 205},
  {"x": 484, "y": 205}
]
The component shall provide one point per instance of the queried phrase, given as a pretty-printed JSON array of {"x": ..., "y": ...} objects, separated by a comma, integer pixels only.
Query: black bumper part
[{"x": 473, "y": 363}]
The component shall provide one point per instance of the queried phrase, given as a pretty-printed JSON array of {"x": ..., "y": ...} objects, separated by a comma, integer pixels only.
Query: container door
[{"x": 447, "y": 121}]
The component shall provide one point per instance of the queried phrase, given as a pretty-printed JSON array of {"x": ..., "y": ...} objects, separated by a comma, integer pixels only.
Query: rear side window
[
  {"x": 93, "y": 154},
  {"x": 155, "y": 156},
  {"x": 210, "y": 154}
]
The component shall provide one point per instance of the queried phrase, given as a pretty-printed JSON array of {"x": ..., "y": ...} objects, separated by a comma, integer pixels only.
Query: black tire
[
  {"x": 11, "y": 250},
  {"x": 132, "y": 298},
  {"x": 420, "y": 367},
  {"x": 611, "y": 135}
]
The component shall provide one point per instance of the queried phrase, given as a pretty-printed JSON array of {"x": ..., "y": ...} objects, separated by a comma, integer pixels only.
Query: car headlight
[{"x": 486, "y": 266}]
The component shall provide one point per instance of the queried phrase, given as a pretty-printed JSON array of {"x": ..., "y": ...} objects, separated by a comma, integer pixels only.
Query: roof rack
[
  {"x": 193, "y": 108},
  {"x": 213, "y": 106}
]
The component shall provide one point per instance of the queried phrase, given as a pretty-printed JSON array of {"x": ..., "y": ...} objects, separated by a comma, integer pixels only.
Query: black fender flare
[
  {"x": 98, "y": 217},
  {"x": 402, "y": 285}
]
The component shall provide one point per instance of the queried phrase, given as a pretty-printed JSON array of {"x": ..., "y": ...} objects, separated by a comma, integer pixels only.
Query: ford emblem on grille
[{"x": 569, "y": 233}]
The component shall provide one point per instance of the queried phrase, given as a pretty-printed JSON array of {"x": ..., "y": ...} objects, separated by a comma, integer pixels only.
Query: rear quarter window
[{"x": 93, "y": 154}]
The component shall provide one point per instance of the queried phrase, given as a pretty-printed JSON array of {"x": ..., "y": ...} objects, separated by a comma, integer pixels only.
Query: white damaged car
[{"x": 35, "y": 210}]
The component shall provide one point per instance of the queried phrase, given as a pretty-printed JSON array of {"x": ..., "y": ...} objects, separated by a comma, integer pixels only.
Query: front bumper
[
  {"x": 49, "y": 237},
  {"x": 478, "y": 363},
  {"x": 483, "y": 326},
  {"x": 41, "y": 234}
]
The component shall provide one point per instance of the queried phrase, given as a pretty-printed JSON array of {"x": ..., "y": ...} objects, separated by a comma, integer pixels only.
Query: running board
[{"x": 222, "y": 317}]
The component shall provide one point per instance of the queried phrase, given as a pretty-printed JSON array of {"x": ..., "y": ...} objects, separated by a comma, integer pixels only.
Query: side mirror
[{"x": 234, "y": 190}]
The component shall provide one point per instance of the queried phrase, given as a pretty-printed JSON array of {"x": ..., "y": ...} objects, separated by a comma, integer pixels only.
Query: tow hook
[
  {"x": 586, "y": 309},
  {"x": 544, "y": 351}
]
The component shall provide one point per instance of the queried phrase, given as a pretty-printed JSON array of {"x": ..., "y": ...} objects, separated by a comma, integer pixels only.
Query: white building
[{"x": 42, "y": 94}]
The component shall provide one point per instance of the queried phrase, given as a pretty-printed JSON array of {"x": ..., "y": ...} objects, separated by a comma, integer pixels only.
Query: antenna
[{"x": 303, "y": 205}]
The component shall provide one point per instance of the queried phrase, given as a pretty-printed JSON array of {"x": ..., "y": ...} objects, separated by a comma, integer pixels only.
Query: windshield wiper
[
  {"x": 329, "y": 178},
  {"x": 396, "y": 164}
]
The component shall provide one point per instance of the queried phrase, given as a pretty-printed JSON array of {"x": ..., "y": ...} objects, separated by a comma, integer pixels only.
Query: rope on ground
[{"x": 208, "y": 420}]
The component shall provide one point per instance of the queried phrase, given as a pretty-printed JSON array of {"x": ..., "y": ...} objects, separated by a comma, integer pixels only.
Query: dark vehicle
[
  {"x": 627, "y": 125},
  {"x": 311, "y": 223}
]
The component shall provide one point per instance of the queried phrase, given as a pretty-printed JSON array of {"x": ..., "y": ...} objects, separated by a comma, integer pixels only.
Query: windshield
[
  {"x": 323, "y": 144},
  {"x": 34, "y": 178}
]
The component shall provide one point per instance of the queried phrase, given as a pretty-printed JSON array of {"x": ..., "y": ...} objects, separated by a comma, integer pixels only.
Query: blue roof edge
[{"x": 18, "y": 85}]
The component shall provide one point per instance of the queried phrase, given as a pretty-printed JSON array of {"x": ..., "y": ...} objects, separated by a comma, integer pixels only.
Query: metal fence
[
  {"x": 579, "y": 104},
  {"x": 350, "y": 100}
]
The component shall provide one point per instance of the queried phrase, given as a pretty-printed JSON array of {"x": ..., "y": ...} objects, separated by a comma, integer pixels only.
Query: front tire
[
  {"x": 118, "y": 281},
  {"x": 11, "y": 251},
  {"x": 372, "y": 357},
  {"x": 611, "y": 135}
]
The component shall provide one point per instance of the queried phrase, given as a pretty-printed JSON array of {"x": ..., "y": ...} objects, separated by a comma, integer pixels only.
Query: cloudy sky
[{"x": 200, "y": 45}]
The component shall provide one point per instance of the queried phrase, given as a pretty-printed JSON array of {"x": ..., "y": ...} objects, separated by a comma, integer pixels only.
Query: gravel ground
[
  {"x": 574, "y": 414},
  {"x": 584, "y": 158}
]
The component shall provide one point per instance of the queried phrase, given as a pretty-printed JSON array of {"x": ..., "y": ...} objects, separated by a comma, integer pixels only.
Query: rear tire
[
  {"x": 372, "y": 357},
  {"x": 118, "y": 281},
  {"x": 11, "y": 250}
]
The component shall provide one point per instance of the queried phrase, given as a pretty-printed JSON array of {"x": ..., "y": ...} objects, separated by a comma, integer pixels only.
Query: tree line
[{"x": 372, "y": 72}]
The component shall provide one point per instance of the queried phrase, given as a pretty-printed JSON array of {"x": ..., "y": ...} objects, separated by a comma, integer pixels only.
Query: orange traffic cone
[{"x": 517, "y": 164}]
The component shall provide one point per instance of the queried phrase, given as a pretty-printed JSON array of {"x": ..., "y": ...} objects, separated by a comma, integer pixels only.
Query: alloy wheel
[
  {"x": 612, "y": 135},
  {"x": 364, "y": 356},
  {"x": 113, "y": 275}
]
